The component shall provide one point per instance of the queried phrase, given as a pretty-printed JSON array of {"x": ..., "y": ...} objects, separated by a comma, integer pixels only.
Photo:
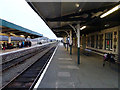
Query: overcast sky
[{"x": 20, "y": 13}]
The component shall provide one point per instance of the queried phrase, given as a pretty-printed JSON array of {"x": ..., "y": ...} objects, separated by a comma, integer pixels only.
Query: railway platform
[
  {"x": 10, "y": 50},
  {"x": 63, "y": 72},
  {"x": 7, "y": 51}
]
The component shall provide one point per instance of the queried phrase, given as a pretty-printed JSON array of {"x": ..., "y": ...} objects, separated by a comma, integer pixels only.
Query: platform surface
[
  {"x": 63, "y": 72},
  {"x": 7, "y": 51}
]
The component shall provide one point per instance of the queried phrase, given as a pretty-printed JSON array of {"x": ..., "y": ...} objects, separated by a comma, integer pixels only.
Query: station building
[{"x": 104, "y": 41}]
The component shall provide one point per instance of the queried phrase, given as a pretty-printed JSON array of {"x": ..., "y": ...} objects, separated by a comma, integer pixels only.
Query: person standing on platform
[
  {"x": 3, "y": 46},
  {"x": 64, "y": 44},
  {"x": 29, "y": 43},
  {"x": 10, "y": 45},
  {"x": 23, "y": 43},
  {"x": 7, "y": 45},
  {"x": 19, "y": 44}
]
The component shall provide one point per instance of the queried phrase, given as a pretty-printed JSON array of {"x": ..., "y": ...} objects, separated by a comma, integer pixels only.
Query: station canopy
[
  {"x": 7, "y": 28},
  {"x": 60, "y": 15}
]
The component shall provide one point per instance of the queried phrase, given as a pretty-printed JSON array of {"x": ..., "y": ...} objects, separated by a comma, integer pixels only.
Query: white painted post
[
  {"x": 78, "y": 35},
  {"x": 78, "y": 42},
  {"x": 9, "y": 39},
  {"x": 70, "y": 37},
  {"x": 70, "y": 42}
]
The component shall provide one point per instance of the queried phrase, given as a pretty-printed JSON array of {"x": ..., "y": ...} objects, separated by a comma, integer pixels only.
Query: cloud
[{"x": 20, "y": 13}]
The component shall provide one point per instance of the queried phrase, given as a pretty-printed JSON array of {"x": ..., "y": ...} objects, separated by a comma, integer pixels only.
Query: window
[
  {"x": 88, "y": 40},
  {"x": 92, "y": 41},
  {"x": 96, "y": 41},
  {"x": 101, "y": 41},
  {"x": 108, "y": 41}
]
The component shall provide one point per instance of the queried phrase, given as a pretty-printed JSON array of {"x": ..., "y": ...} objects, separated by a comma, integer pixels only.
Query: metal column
[
  {"x": 78, "y": 42},
  {"x": 71, "y": 42},
  {"x": 67, "y": 42}
]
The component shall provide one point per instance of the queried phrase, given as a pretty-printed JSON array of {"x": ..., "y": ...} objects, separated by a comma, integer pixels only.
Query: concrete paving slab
[
  {"x": 65, "y": 85},
  {"x": 65, "y": 59},
  {"x": 68, "y": 67},
  {"x": 63, "y": 74}
]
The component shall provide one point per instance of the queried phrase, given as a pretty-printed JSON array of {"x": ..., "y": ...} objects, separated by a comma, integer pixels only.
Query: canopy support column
[
  {"x": 70, "y": 42},
  {"x": 67, "y": 42},
  {"x": 78, "y": 42},
  {"x": 9, "y": 39},
  {"x": 64, "y": 42}
]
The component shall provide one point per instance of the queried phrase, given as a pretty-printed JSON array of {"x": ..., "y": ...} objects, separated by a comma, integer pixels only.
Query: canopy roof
[
  {"x": 8, "y": 28},
  {"x": 59, "y": 15}
]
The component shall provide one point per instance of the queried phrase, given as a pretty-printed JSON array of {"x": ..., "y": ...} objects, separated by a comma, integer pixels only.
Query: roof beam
[
  {"x": 12, "y": 31},
  {"x": 90, "y": 11},
  {"x": 66, "y": 27},
  {"x": 4, "y": 34},
  {"x": 66, "y": 19}
]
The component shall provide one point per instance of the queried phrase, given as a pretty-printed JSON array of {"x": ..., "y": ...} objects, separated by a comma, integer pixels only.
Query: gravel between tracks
[{"x": 16, "y": 54}]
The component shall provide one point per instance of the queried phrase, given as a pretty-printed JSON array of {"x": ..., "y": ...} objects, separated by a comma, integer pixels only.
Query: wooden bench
[
  {"x": 87, "y": 52},
  {"x": 102, "y": 54}
]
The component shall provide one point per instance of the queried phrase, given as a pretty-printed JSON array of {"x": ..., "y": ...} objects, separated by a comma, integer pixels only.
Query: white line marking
[
  {"x": 42, "y": 75},
  {"x": 65, "y": 58}
]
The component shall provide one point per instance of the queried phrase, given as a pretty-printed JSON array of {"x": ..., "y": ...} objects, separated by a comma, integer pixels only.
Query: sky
[{"x": 20, "y": 13}]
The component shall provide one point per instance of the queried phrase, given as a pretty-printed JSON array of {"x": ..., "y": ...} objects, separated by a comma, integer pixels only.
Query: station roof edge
[{"x": 17, "y": 27}]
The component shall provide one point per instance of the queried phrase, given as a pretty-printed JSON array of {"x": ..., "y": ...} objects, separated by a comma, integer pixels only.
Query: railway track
[
  {"x": 28, "y": 77},
  {"x": 21, "y": 59},
  {"x": 6, "y": 58}
]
